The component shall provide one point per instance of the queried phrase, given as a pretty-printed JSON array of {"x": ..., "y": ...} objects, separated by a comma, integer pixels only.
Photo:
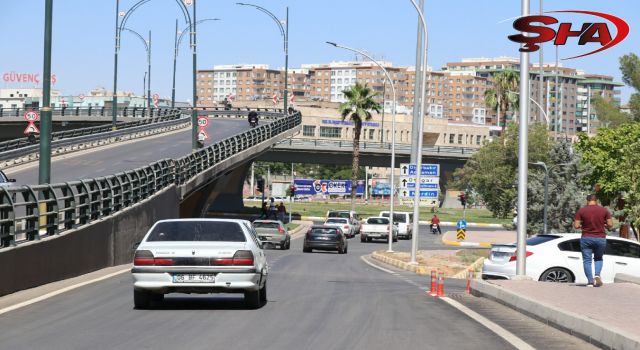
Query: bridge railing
[
  {"x": 373, "y": 146},
  {"x": 95, "y": 111},
  {"x": 30, "y": 212}
]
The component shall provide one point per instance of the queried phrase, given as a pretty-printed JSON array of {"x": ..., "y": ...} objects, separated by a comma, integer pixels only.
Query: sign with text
[
  {"x": 409, "y": 169},
  {"x": 425, "y": 182},
  {"x": 326, "y": 187}
]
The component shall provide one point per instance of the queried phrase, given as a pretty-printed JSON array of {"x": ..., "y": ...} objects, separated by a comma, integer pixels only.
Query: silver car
[
  {"x": 199, "y": 256},
  {"x": 272, "y": 232},
  {"x": 4, "y": 180}
]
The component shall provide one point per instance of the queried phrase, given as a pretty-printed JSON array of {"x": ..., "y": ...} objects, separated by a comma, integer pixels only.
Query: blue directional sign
[
  {"x": 461, "y": 224},
  {"x": 424, "y": 194},
  {"x": 423, "y": 186},
  {"x": 427, "y": 170}
]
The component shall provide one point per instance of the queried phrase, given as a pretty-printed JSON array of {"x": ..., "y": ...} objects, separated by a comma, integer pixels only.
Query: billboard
[{"x": 326, "y": 187}]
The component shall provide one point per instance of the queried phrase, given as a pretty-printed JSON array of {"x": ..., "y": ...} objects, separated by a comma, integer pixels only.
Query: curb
[
  {"x": 420, "y": 270},
  {"x": 448, "y": 223},
  {"x": 474, "y": 267},
  {"x": 592, "y": 331},
  {"x": 466, "y": 244}
]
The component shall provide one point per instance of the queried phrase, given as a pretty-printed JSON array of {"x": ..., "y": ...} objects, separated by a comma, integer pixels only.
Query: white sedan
[
  {"x": 199, "y": 256},
  {"x": 557, "y": 258},
  {"x": 344, "y": 224}
]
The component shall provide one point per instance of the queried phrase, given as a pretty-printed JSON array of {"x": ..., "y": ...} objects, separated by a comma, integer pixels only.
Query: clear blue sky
[{"x": 83, "y": 34}]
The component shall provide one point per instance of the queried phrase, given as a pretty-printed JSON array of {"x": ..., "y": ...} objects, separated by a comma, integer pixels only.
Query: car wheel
[
  {"x": 395, "y": 239},
  {"x": 306, "y": 250},
  {"x": 141, "y": 299},
  {"x": 368, "y": 239},
  {"x": 252, "y": 298},
  {"x": 283, "y": 246},
  {"x": 263, "y": 293},
  {"x": 288, "y": 244},
  {"x": 345, "y": 250},
  {"x": 557, "y": 274},
  {"x": 363, "y": 238}
]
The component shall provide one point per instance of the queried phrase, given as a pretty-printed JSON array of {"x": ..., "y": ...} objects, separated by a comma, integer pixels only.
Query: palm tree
[
  {"x": 503, "y": 96},
  {"x": 358, "y": 107}
]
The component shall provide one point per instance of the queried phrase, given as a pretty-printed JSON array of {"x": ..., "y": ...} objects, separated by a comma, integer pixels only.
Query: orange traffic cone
[
  {"x": 469, "y": 278},
  {"x": 434, "y": 284},
  {"x": 440, "y": 284}
]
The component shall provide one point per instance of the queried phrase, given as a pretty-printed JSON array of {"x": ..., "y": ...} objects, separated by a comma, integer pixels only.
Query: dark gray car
[{"x": 325, "y": 238}]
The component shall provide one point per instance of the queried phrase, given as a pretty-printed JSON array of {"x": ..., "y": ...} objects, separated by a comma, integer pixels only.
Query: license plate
[
  {"x": 323, "y": 238},
  {"x": 194, "y": 278}
]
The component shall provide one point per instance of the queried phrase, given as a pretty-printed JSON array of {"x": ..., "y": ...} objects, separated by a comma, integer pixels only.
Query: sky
[{"x": 83, "y": 37}]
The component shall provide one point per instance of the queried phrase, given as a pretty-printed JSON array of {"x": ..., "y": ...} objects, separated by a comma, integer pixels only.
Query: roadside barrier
[
  {"x": 440, "y": 284},
  {"x": 434, "y": 284},
  {"x": 469, "y": 278}
]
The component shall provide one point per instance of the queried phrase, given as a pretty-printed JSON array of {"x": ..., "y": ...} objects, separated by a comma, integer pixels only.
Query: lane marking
[
  {"x": 495, "y": 328},
  {"x": 60, "y": 291}
]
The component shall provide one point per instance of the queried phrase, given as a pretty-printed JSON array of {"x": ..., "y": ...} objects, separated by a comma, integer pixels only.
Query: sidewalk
[
  {"x": 608, "y": 316},
  {"x": 481, "y": 239}
]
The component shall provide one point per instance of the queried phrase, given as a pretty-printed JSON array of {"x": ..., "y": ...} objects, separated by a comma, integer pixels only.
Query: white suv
[
  {"x": 404, "y": 221},
  {"x": 199, "y": 256}
]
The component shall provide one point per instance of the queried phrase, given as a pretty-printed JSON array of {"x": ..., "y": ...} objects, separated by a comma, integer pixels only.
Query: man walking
[{"x": 592, "y": 219}]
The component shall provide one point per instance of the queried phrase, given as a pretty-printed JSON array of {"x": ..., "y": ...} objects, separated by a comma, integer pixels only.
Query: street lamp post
[
  {"x": 44, "y": 169},
  {"x": 176, "y": 49},
  {"x": 119, "y": 27},
  {"x": 147, "y": 48},
  {"x": 416, "y": 199},
  {"x": 546, "y": 117},
  {"x": 144, "y": 86},
  {"x": 393, "y": 138},
  {"x": 284, "y": 31}
]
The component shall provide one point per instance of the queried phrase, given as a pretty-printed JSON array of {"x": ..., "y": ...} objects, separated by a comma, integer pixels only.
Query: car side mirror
[
  {"x": 135, "y": 246},
  {"x": 11, "y": 180}
]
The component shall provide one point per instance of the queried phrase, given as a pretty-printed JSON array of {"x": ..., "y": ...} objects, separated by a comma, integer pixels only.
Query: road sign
[
  {"x": 461, "y": 234},
  {"x": 461, "y": 224},
  {"x": 423, "y": 194},
  {"x": 202, "y": 135},
  {"x": 409, "y": 169},
  {"x": 31, "y": 116},
  {"x": 203, "y": 121},
  {"x": 426, "y": 183},
  {"x": 31, "y": 129}
]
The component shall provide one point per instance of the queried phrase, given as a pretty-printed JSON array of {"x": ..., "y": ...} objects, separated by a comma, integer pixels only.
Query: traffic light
[
  {"x": 261, "y": 185},
  {"x": 463, "y": 199}
]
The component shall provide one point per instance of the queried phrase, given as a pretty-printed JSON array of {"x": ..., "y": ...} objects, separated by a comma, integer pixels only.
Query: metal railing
[
  {"x": 29, "y": 212},
  {"x": 372, "y": 146},
  {"x": 65, "y": 134},
  {"x": 136, "y": 112}
]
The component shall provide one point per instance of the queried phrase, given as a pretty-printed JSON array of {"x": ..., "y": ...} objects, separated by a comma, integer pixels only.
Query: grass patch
[{"x": 292, "y": 226}]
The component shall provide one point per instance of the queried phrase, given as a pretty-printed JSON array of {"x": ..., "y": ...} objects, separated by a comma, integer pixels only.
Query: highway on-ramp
[{"x": 127, "y": 155}]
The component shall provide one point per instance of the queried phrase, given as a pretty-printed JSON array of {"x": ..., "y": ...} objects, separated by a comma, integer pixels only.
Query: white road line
[
  {"x": 503, "y": 333},
  {"x": 495, "y": 328},
  {"x": 60, "y": 291}
]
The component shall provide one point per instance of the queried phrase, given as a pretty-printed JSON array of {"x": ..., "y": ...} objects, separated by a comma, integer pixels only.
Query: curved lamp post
[
  {"x": 119, "y": 27},
  {"x": 546, "y": 117},
  {"x": 147, "y": 47},
  {"x": 416, "y": 199},
  {"x": 284, "y": 31},
  {"x": 176, "y": 45},
  {"x": 393, "y": 137}
]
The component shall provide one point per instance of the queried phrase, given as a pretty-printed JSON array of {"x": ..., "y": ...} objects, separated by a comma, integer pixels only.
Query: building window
[
  {"x": 452, "y": 138},
  {"x": 371, "y": 134},
  {"x": 309, "y": 130},
  {"x": 331, "y": 132},
  {"x": 460, "y": 139},
  {"x": 478, "y": 139}
]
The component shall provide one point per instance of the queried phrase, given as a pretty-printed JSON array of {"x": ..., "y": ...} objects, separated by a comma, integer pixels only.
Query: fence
[
  {"x": 29, "y": 212},
  {"x": 374, "y": 146}
]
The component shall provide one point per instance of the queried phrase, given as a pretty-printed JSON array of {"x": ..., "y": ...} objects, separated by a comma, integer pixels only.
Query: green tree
[
  {"x": 357, "y": 108},
  {"x": 608, "y": 113},
  {"x": 503, "y": 96},
  {"x": 491, "y": 172},
  {"x": 630, "y": 68}
]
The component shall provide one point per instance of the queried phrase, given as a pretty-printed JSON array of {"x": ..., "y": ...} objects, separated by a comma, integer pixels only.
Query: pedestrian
[
  {"x": 272, "y": 209},
  {"x": 593, "y": 219},
  {"x": 263, "y": 211},
  {"x": 436, "y": 221},
  {"x": 281, "y": 212}
]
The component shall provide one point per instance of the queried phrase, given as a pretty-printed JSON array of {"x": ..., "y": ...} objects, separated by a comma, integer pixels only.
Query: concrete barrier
[{"x": 102, "y": 244}]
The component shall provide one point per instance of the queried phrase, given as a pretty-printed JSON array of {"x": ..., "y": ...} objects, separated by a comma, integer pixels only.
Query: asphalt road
[
  {"x": 315, "y": 301},
  {"x": 128, "y": 155}
]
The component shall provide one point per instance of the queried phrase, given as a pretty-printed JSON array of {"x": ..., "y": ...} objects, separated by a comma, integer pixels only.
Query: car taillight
[
  {"x": 514, "y": 257},
  {"x": 240, "y": 258},
  {"x": 346, "y": 227},
  {"x": 280, "y": 229},
  {"x": 145, "y": 258}
]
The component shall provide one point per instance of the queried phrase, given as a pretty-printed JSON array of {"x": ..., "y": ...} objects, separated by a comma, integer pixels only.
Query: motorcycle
[
  {"x": 253, "y": 119},
  {"x": 434, "y": 229}
]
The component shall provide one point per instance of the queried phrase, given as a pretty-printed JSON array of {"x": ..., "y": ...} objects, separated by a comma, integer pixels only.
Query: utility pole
[
  {"x": 419, "y": 84},
  {"x": 44, "y": 169}
]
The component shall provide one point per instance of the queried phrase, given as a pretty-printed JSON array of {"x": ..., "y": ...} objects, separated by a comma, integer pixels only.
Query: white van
[{"x": 405, "y": 222}]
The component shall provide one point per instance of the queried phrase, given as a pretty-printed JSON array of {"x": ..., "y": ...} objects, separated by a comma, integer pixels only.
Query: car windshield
[
  {"x": 189, "y": 231},
  {"x": 273, "y": 225},
  {"x": 539, "y": 239},
  {"x": 339, "y": 214},
  {"x": 396, "y": 217},
  {"x": 323, "y": 231},
  {"x": 377, "y": 221},
  {"x": 337, "y": 221},
  {"x": 3, "y": 178}
]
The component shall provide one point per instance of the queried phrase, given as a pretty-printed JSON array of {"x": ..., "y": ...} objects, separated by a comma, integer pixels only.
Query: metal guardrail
[
  {"x": 136, "y": 112},
  {"x": 29, "y": 212},
  {"x": 364, "y": 145},
  {"x": 59, "y": 135}
]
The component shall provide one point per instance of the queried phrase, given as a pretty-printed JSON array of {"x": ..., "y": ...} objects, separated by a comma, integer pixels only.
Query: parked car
[
  {"x": 343, "y": 223},
  {"x": 199, "y": 256},
  {"x": 5, "y": 181},
  {"x": 272, "y": 232},
  {"x": 377, "y": 227},
  {"x": 353, "y": 217},
  {"x": 325, "y": 238},
  {"x": 557, "y": 258},
  {"x": 404, "y": 221}
]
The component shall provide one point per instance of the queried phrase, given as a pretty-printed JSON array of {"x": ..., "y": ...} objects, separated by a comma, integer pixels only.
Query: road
[
  {"x": 127, "y": 155},
  {"x": 315, "y": 301}
]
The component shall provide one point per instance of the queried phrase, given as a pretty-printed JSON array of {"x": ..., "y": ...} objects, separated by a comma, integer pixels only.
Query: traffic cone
[
  {"x": 440, "y": 284},
  {"x": 434, "y": 284},
  {"x": 469, "y": 278}
]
